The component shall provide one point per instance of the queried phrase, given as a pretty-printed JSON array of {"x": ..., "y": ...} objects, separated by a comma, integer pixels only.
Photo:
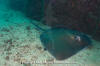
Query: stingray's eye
[
  {"x": 78, "y": 38},
  {"x": 45, "y": 49}
]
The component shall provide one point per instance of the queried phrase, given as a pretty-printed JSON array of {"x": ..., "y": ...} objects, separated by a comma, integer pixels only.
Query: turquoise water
[{"x": 20, "y": 44}]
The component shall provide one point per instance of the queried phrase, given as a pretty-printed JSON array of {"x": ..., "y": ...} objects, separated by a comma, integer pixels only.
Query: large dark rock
[{"x": 81, "y": 15}]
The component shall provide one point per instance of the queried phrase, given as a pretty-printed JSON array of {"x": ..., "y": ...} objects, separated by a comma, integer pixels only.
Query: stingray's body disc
[{"x": 63, "y": 43}]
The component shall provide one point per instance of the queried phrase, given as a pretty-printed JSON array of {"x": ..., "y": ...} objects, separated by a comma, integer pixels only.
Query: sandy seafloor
[{"x": 20, "y": 44}]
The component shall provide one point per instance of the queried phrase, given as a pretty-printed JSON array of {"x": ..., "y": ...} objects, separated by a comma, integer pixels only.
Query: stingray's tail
[{"x": 37, "y": 26}]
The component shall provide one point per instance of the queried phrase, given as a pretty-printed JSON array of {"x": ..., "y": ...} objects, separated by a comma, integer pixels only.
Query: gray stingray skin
[{"x": 63, "y": 43}]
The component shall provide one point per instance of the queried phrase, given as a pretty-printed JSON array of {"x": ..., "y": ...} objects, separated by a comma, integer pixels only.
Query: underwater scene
[{"x": 49, "y": 32}]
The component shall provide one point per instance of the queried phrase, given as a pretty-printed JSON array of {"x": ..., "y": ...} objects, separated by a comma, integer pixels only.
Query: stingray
[{"x": 63, "y": 43}]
